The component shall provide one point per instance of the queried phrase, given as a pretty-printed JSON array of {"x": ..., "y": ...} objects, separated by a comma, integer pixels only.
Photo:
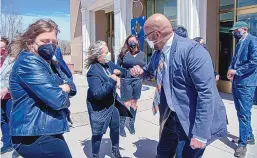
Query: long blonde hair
[
  {"x": 25, "y": 40},
  {"x": 94, "y": 52}
]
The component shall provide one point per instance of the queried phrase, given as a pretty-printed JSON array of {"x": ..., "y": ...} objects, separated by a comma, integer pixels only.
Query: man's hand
[
  {"x": 114, "y": 77},
  {"x": 217, "y": 77},
  {"x": 65, "y": 88},
  {"x": 118, "y": 83},
  {"x": 136, "y": 71},
  {"x": 231, "y": 74},
  {"x": 116, "y": 72},
  {"x": 195, "y": 144},
  {"x": 4, "y": 92}
]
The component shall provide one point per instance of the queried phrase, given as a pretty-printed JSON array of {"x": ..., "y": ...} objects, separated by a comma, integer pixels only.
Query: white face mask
[
  {"x": 107, "y": 58},
  {"x": 150, "y": 43}
]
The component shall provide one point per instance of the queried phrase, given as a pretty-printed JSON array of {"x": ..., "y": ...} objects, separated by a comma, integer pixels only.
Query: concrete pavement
[{"x": 143, "y": 144}]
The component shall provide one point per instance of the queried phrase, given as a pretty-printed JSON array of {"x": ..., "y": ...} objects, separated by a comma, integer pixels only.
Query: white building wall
[
  {"x": 192, "y": 15},
  {"x": 122, "y": 16}
]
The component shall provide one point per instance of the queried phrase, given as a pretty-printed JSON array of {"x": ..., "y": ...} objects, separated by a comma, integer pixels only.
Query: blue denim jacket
[
  {"x": 245, "y": 62},
  {"x": 39, "y": 103},
  {"x": 102, "y": 97},
  {"x": 195, "y": 97}
]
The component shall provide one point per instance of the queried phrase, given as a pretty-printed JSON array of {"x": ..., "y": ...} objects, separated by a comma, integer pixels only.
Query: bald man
[{"x": 191, "y": 111}]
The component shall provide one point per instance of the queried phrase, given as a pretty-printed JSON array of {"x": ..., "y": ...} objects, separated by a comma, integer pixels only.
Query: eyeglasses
[{"x": 145, "y": 36}]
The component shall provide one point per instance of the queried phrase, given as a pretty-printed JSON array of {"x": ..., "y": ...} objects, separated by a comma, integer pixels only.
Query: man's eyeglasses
[{"x": 145, "y": 36}]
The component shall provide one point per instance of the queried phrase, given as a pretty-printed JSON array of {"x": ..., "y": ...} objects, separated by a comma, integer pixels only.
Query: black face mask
[
  {"x": 47, "y": 51},
  {"x": 132, "y": 45},
  {"x": 237, "y": 35}
]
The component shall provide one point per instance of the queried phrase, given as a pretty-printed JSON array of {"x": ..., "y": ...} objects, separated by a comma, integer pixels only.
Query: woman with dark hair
[
  {"x": 40, "y": 104},
  {"x": 130, "y": 88}
]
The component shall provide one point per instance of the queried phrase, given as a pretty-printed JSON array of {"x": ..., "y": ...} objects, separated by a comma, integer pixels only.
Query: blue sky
[{"x": 32, "y": 10}]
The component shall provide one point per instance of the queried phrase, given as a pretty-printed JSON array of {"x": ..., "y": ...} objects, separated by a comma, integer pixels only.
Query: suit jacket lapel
[{"x": 171, "y": 61}]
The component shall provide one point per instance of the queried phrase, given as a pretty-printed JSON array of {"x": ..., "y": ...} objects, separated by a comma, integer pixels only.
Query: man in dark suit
[
  {"x": 192, "y": 113},
  {"x": 243, "y": 72}
]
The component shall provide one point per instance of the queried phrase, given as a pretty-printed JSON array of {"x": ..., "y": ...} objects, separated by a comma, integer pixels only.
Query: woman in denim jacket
[
  {"x": 39, "y": 110},
  {"x": 104, "y": 105}
]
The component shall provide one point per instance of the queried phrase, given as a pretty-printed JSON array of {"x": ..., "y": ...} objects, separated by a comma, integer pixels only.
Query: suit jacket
[
  {"x": 244, "y": 62},
  {"x": 194, "y": 93}
]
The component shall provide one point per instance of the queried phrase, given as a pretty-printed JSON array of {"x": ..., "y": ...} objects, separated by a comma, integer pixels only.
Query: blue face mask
[{"x": 47, "y": 51}]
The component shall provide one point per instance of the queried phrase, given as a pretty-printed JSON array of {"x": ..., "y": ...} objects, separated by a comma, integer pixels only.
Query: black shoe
[
  {"x": 116, "y": 152},
  {"x": 249, "y": 141},
  {"x": 240, "y": 152},
  {"x": 122, "y": 126},
  {"x": 6, "y": 149}
]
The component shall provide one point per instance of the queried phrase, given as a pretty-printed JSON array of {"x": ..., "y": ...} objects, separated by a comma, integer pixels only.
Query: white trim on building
[{"x": 122, "y": 15}]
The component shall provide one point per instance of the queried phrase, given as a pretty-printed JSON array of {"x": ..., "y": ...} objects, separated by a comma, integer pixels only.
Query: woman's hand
[
  {"x": 116, "y": 72},
  {"x": 65, "y": 88},
  {"x": 4, "y": 92},
  {"x": 114, "y": 77}
]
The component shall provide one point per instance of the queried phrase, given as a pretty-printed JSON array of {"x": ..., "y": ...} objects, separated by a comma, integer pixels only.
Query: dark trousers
[
  {"x": 42, "y": 147},
  {"x": 5, "y": 116},
  {"x": 114, "y": 133},
  {"x": 174, "y": 141},
  {"x": 243, "y": 99}
]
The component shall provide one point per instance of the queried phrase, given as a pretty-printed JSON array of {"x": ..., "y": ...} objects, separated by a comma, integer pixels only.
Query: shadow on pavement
[
  {"x": 228, "y": 142},
  {"x": 105, "y": 148},
  {"x": 146, "y": 148}
]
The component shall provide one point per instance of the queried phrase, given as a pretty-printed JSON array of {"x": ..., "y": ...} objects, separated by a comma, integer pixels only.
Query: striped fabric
[{"x": 159, "y": 74}]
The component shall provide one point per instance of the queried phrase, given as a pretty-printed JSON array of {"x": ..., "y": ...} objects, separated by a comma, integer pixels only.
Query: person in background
[
  {"x": 64, "y": 75},
  {"x": 199, "y": 40},
  {"x": 60, "y": 64},
  {"x": 192, "y": 113},
  {"x": 104, "y": 105},
  {"x": 5, "y": 70},
  {"x": 180, "y": 30},
  {"x": 40, "y": 103},
  {"x": 202, "y": 42},
  {"x": 64, "y": 67},
  {"x": 130, "y": 56},
  {"x": 3, "y": 49},
  {"x": 243, "y": 74}
]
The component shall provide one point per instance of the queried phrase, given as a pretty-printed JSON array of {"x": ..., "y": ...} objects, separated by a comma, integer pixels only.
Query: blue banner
[{"x": 137, "y": 28}]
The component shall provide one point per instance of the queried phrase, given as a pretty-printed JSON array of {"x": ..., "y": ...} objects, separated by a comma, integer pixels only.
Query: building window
[
  {"x": 227, "y": 4},
  {"x": 251, "y": 19},
  {"x": 243, "y": 3},
  {"x": 225, "y": 44},
  {"x": 167, "y": 7}
]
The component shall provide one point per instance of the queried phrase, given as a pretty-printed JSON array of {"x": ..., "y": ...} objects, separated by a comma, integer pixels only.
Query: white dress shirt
[{"x": 166, "y": 75}]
